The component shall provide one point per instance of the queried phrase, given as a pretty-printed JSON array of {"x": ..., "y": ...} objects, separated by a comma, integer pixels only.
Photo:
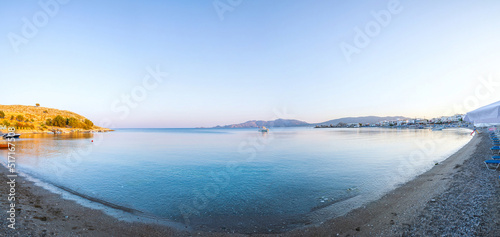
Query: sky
[{"x": 207, "y": 63}]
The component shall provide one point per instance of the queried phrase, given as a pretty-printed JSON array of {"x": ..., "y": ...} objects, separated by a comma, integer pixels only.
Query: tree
[
  {"x": 48, "y": 122},
  {"x": 59, "y": 121},
  {"x": 12, "y": 117},
  {"x": 2, "y": 114},
  {"x": 19, "y": 125},
  {"x": 20, "y": 118},
  {"x": 37, "y": 105},
  {"x": 74, "y": 123},
  {"x": 89, "y": 123},
  {"x": 6, "y": 123}
]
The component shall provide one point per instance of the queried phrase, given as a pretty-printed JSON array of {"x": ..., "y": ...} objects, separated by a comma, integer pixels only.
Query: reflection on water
[
  {"x": 36, "y": 150},
  {"x": 238, "y": 179}
]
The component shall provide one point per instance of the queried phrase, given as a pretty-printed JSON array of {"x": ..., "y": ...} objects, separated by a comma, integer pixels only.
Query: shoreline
[
  {"x": 42, "y": 211},
  {"x": 414, "y": 208},
  {"x": 63, "y": 131}
]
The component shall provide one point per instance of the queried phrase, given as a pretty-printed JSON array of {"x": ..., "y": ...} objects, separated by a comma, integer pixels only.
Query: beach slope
[{"x": 456, "y": 197}]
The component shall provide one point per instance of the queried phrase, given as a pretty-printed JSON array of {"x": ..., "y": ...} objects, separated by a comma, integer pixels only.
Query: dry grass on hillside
[
  {"x": 35, "y": 117},
  {"x": 37, "y": 113}
]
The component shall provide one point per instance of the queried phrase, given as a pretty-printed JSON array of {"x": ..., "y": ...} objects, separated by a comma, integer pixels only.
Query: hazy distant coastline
[{"x": 299, "y": 123}]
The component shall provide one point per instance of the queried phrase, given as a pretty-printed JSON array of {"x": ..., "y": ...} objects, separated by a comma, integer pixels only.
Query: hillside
[
  {"x": 365, "y": 119},
  {"x": 298, "y": 123},
  {"x": 39, "y": 119},
  {"x": 260, "y": 123}
]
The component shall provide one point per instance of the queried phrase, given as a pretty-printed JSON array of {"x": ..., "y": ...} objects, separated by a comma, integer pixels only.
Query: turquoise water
[{"x": 235, "y": 179}]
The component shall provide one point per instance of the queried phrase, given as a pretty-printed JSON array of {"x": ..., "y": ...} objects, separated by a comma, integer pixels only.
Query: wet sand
[{"x": 457, "y": 197}]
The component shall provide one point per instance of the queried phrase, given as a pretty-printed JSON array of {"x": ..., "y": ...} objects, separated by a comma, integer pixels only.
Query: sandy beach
[{"x": 456, "y": 197}]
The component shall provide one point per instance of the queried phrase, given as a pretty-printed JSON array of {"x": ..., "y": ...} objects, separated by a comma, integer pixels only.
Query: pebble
[{"x": 467, "y": 208}]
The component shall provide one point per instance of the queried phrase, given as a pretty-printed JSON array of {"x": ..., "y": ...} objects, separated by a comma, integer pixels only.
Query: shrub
[
  {"x": 89, "y": 123},
  {"x": 59, "y": 121},
  {"x": 20, "y": 118},
  {"x": 2, "y": 114},
  {"x": 74, "y": 123},
  {"x": 19, "y": 125}
]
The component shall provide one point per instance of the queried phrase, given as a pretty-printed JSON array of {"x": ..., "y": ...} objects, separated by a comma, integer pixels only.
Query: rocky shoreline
[{"x": 61, "y": 131}]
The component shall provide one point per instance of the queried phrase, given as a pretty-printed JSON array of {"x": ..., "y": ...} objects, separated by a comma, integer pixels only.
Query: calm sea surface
[{"x": 235, "y": 179}]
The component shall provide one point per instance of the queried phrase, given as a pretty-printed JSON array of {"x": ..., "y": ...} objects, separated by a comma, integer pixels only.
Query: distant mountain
[
  {"x": 366, "y": 119},
  {"x": 260, "y": 123},
  {"x": 298, "y": 123}
]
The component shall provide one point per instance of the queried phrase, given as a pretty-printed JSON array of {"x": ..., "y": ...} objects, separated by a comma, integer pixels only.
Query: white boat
[
  {"x": 437, "y": 128},
  {"x": 264, "y": 129},
  {"x": 11, "y": 135}
]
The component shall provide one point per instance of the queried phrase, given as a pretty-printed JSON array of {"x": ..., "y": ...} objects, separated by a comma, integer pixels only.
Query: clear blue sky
[{"x": 262, "y": 57}]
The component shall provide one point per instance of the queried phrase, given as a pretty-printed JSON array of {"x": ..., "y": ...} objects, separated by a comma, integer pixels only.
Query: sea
[{"x": 239, "y": 180}]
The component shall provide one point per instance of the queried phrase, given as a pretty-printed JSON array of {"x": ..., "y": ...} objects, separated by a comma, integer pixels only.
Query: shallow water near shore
[{"x": 235, "y": 179}]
